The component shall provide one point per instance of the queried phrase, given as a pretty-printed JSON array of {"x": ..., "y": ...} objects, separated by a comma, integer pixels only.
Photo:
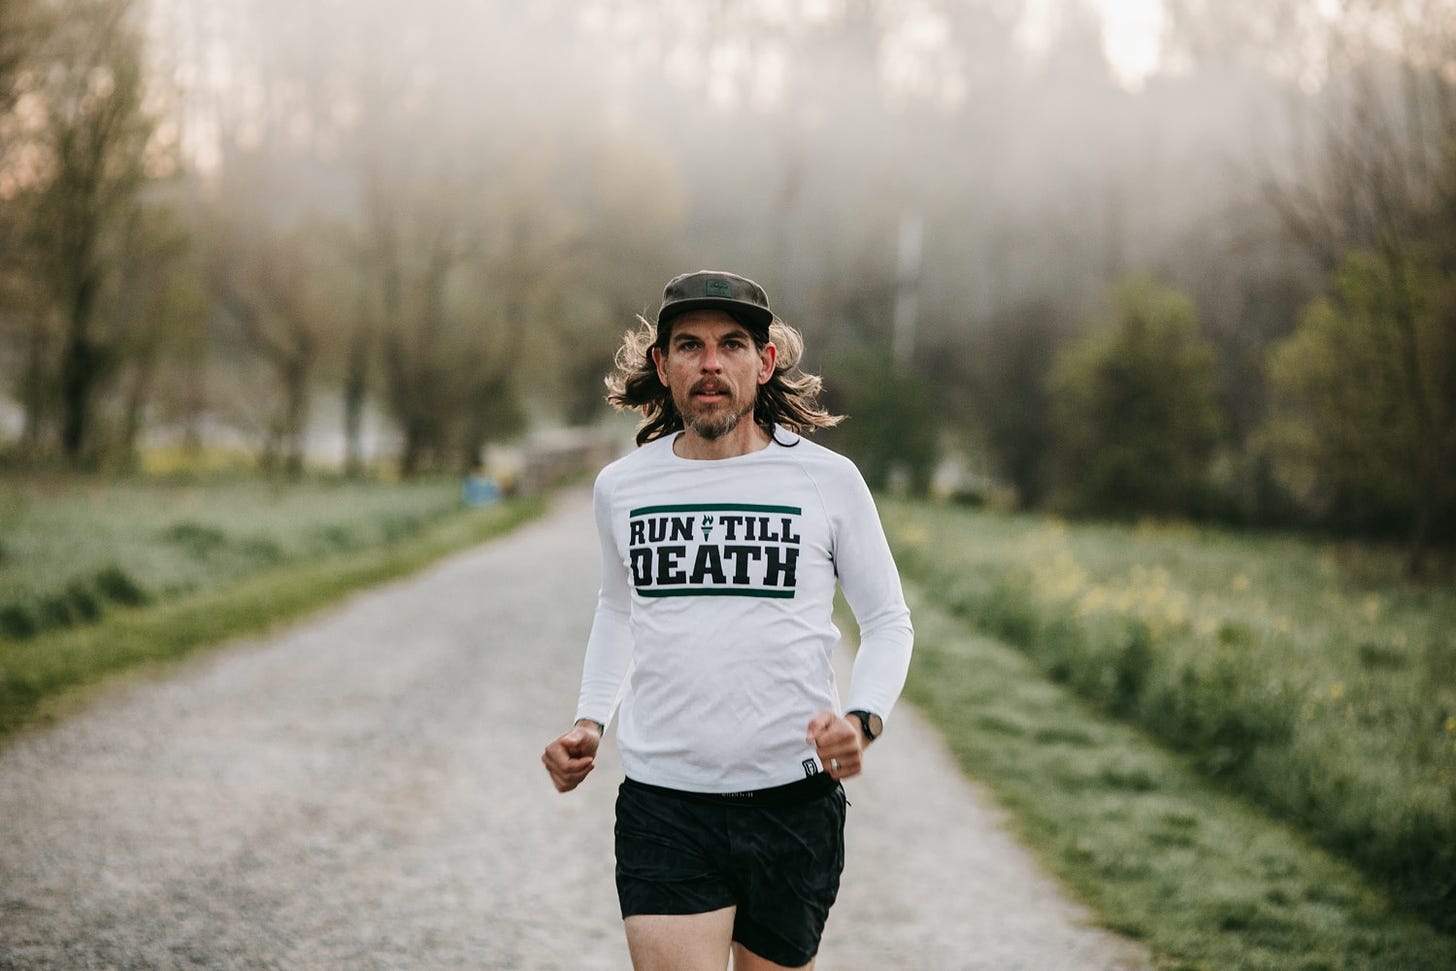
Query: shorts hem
[{"x": 789, "y": 959}]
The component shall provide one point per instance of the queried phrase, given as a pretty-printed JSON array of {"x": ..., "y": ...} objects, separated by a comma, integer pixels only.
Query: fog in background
[
  {"x": 791, "y": 141},
  {"x": 411, "y": 233}
]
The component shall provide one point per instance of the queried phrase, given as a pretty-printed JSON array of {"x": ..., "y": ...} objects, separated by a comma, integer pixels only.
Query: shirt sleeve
[
  {"x": 871, "y": 584},
  {"x": 609, "y": 647}
]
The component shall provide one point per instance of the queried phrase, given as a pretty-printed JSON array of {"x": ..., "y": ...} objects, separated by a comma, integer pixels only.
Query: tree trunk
[
  {"x": 356, "y": 391},
  {"x": 1420, "y": 540},
  {"x": 80, "y": 368},
  {"x": 412, "y": 453},
  {"x": 268, "y": 457},
  {"x": 36, "y": 389},
  {"x": 78, "y": 377},
  {"x": 138, "y": 394},
  {"x": 295, "y": 416}
]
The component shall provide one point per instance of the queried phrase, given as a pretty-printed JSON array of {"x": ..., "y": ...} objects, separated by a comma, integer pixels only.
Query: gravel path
[{"x": 364, "y": 791}]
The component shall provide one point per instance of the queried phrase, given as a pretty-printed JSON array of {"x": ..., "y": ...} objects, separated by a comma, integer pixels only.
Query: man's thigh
[
  {"x": 789, "y": 861},
  {"x": 774, "y": 870},
  {"x": 680, "y": 942},
  {"x": 746, "y": 960},
  {"x": 671, "y": 855}
]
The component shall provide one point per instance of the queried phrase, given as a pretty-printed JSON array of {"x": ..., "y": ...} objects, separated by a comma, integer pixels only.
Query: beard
[{"x": 712, "y": 424}]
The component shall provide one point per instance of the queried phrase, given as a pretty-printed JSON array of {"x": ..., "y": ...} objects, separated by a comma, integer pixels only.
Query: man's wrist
[
  {"x": 871, "y": 725},
  {"x": 582, "y": 722}
]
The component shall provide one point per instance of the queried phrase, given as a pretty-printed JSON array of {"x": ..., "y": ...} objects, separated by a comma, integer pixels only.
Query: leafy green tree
[
  {"x": 1009, "y": 400},
  {"x": 1365, "y": 435},
  {"x": 1368, "y": 424},
  {"x": 1134, "y": 407},
  {"x": 891, "y": 430}
]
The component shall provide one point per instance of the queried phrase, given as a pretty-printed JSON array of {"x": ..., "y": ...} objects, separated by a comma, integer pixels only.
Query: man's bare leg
[
  {"x": 746, "y": 960},
  {"x": 680, "y": 942}
]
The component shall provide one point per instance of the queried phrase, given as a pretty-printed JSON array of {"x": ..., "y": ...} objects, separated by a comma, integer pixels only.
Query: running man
[{"x": 723, "y": 537}]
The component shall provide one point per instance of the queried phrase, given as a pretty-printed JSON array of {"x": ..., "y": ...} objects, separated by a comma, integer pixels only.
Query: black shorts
[{"x": 778, "y": 864}]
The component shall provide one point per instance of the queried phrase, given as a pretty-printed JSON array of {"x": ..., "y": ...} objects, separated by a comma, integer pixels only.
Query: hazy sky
[{"x": 1131, "y": 33}]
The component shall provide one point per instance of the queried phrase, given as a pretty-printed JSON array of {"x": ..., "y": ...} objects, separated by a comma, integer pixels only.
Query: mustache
[{"x": 711, "y": 386}]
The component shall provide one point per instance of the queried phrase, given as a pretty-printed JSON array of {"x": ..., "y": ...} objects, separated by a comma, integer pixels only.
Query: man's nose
[{"x": 710, "y": 359}]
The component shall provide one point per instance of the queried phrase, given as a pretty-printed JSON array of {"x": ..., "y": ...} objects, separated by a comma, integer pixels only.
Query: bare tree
[
  {"x": 266, "y": 281},
  {"x": 415, "y": 274},
  {"x": 28, "y": 332},
  {"x": 95, "y": 135},
  {"x": 159, "y": 310}
]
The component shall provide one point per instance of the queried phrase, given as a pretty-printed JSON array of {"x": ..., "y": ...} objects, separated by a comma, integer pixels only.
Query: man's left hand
[{"x": 839, "y": 742}]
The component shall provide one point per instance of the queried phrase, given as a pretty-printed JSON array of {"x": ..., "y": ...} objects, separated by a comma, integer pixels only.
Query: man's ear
[
  {"x": 658, "y": 358},
  {"x": 766, "y": 358}
]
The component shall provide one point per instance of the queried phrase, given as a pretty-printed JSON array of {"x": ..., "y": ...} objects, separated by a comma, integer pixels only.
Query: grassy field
[
  {"x": 97, "y": 578},
  {"x": 1304, "y": 676},
  {"x": 69, "y": 547},
  {"x": 1161, "y": 854}
]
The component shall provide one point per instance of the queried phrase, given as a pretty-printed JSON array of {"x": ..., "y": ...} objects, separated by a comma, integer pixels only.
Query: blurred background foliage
[
  {"x": 1208, "y": 271},
  {"x": 1134, "y": 409}
]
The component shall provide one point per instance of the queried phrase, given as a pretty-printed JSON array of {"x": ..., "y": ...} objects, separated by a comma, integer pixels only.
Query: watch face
[{"x": 871, "y": 723}]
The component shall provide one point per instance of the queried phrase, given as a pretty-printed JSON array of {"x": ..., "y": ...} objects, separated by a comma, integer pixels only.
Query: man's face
[{"x": 713, "y": 370}]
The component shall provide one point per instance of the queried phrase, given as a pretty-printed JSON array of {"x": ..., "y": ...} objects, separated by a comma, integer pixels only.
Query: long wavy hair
[{"x": 789, "y": 398}]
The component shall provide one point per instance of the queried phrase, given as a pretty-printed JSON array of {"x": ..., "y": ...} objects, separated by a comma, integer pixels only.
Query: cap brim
[{"x": 745, "y": 313}]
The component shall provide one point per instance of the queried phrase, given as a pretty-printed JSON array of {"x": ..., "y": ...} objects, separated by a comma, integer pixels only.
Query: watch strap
[{"x": 866, "y": 723}]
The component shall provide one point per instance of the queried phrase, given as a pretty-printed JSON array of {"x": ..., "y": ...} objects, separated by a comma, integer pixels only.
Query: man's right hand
[{"x": 570, "y": 758}]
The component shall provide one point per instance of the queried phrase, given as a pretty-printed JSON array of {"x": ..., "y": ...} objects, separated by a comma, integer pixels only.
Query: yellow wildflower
[
  {"x": 914, "y": 534},
  {"x": 1092, "y": 601}
]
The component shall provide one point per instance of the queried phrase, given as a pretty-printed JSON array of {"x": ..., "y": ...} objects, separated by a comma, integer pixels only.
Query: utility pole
[{"x": 907, "y": 286}]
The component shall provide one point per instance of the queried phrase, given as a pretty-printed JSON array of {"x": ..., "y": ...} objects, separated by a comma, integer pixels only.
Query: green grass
[
  {"x": 323, "y": 541},
  {"x": 70, "y": 547},
  {"x": 1308, "y": 677},
  {"x": 1160, "y": 853}
]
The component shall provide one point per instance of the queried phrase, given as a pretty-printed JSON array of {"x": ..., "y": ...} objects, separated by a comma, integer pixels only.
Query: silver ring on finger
[{"x": 833, "y": 765}]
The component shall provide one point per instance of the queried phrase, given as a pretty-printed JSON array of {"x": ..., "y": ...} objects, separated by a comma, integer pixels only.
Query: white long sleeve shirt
[{"x": 714, "y": 627}]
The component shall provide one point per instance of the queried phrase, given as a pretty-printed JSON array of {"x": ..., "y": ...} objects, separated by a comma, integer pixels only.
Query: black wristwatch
[{"x": 872, "y": 724}]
